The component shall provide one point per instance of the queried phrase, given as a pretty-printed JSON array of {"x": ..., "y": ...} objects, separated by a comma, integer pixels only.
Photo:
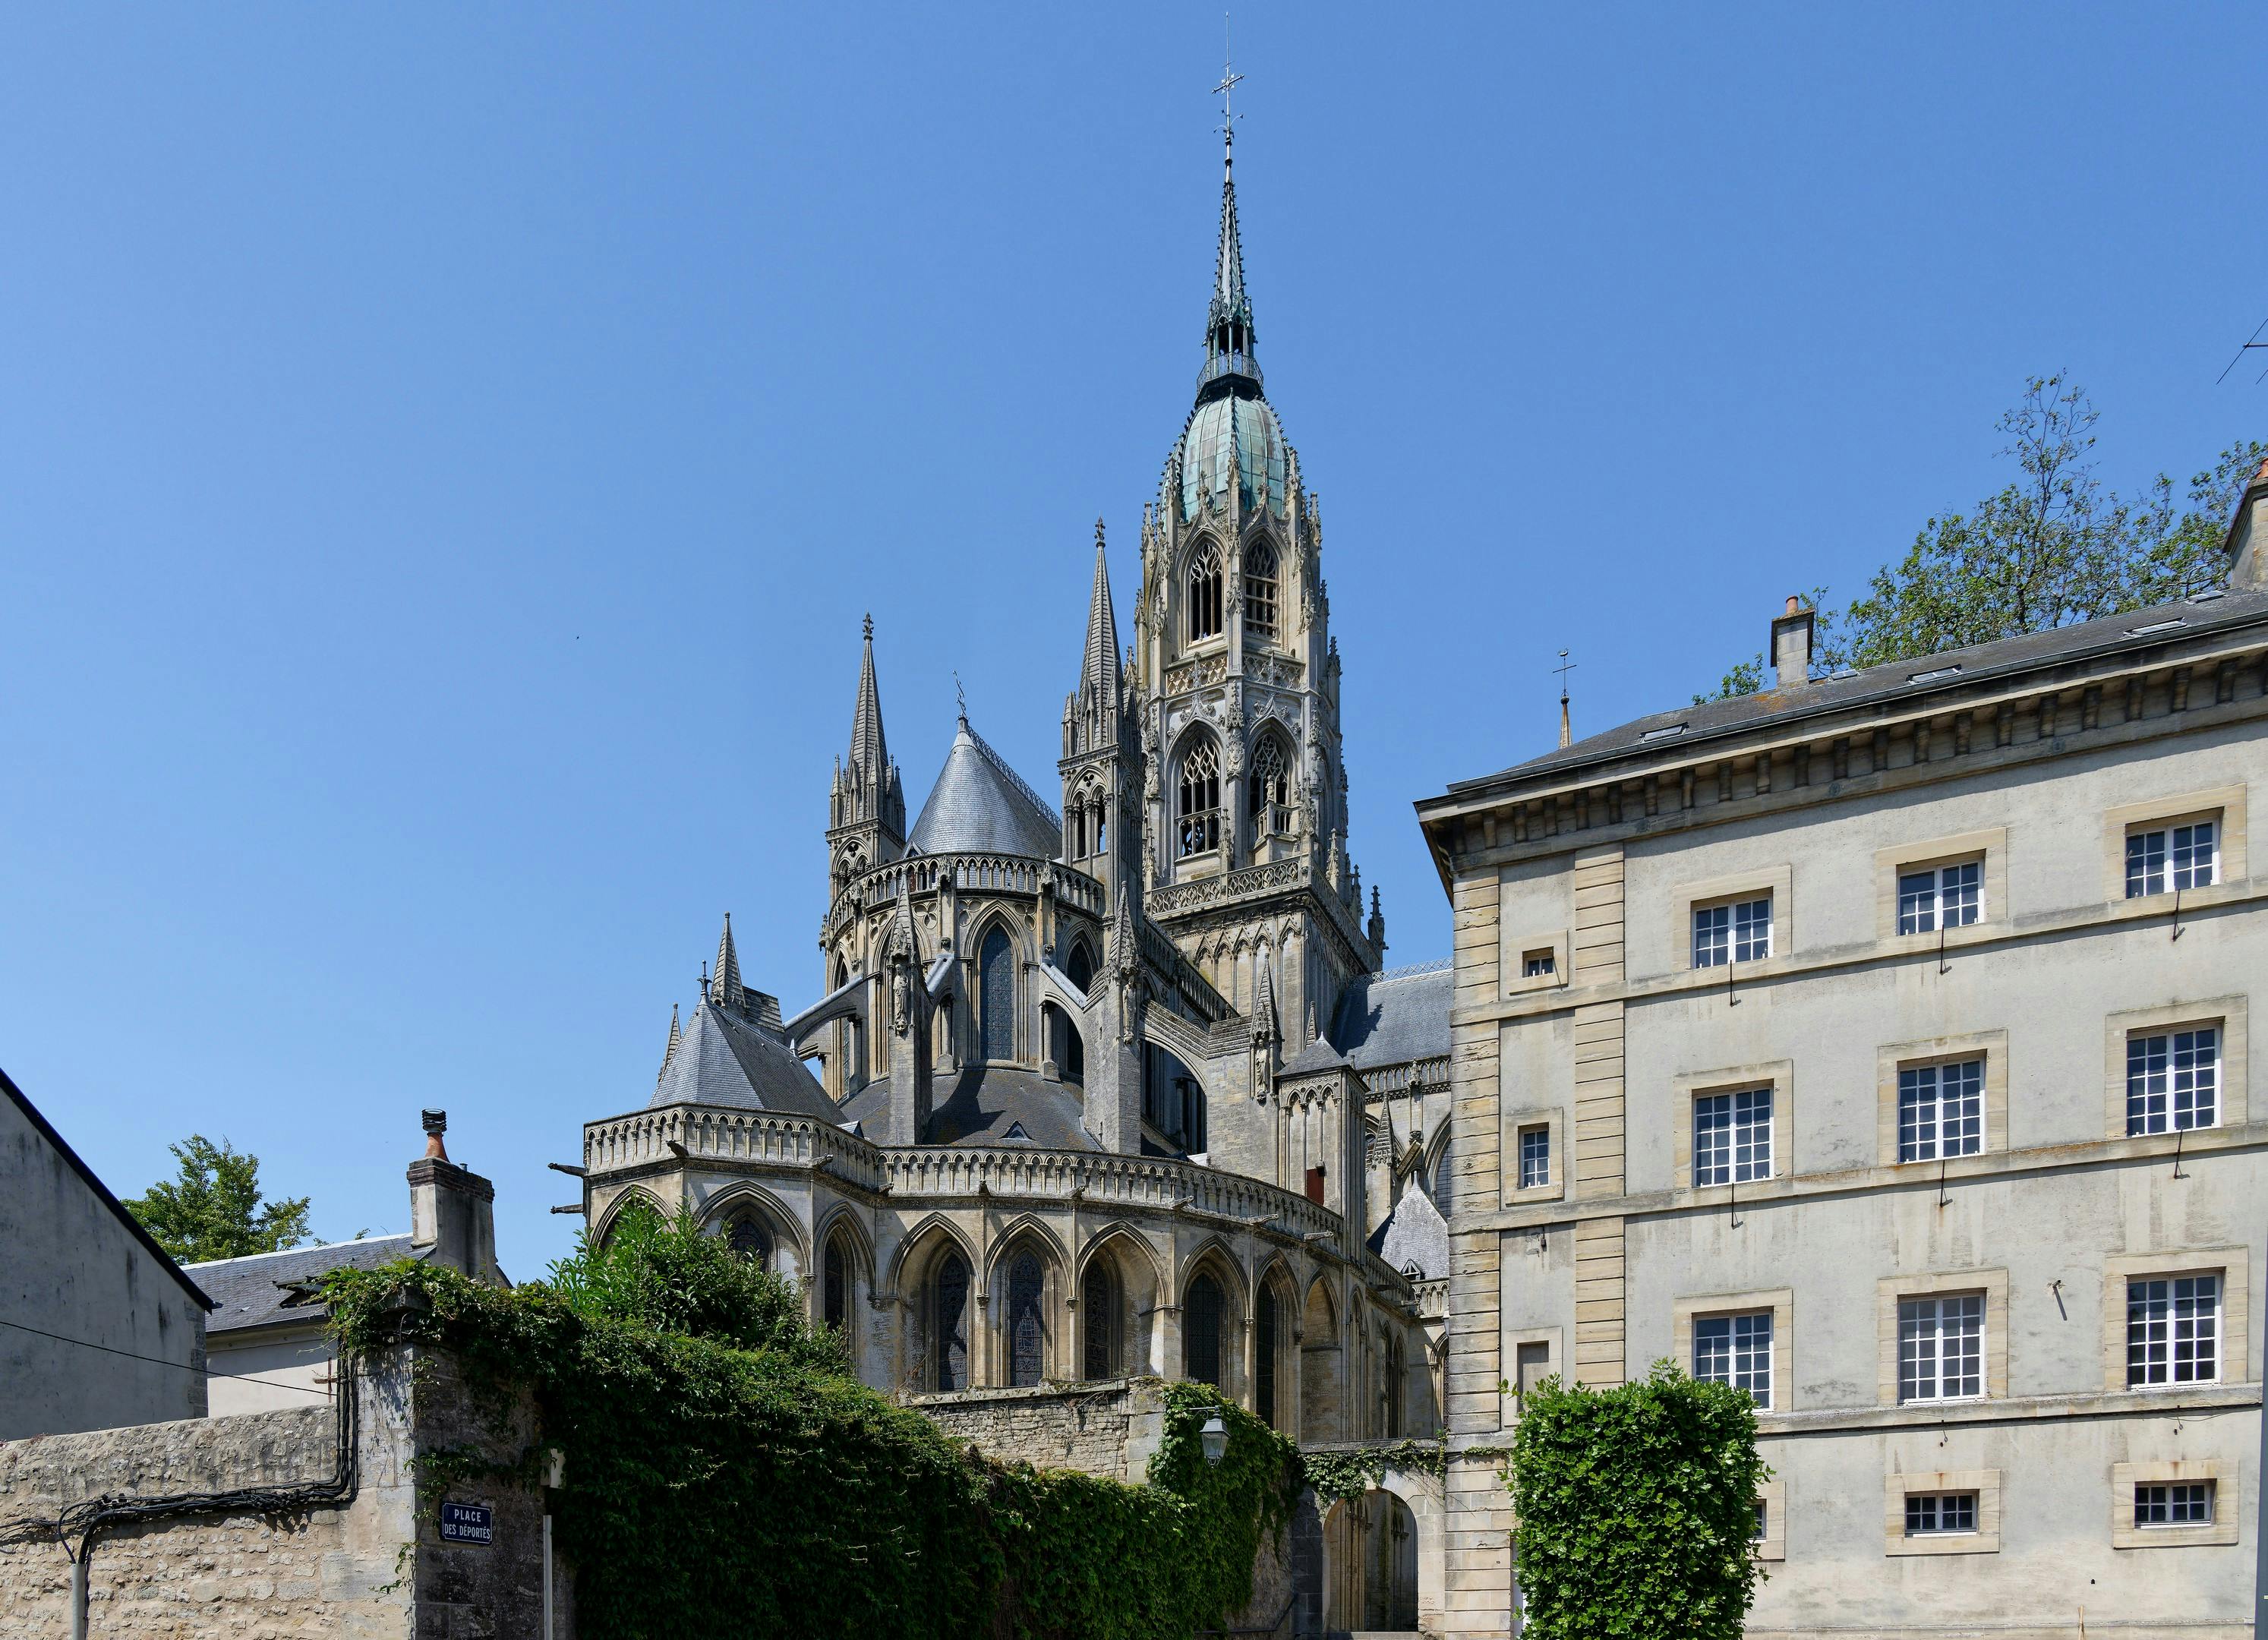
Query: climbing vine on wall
[
  {"x": 726, "y": 1475},
  {"x": 1342, "y": 1473}
]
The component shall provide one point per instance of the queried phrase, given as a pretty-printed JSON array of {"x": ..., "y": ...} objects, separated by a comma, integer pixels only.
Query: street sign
[{"x": 467, "y": 1523}]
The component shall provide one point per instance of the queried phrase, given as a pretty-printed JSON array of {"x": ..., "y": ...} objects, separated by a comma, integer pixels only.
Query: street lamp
[{"x": 1215, "y": 1437}]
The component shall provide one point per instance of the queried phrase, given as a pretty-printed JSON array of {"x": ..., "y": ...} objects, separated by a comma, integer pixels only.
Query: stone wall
[
  {"x": 368, "y": 1567},
  {"x": 1108, "y": 1430}
]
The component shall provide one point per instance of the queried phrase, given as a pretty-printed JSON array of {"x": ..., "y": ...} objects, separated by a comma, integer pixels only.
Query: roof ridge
[
  {"x": 1438, "y": 965},
  {"x": 311, "y": 1246}
]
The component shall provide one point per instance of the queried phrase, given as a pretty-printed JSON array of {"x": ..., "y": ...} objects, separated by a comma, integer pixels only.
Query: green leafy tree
[
  {"x": 1636, "y": 1509},
  {"x": 211, "y": 1208},
  {"x": 2053, "y": 548}
]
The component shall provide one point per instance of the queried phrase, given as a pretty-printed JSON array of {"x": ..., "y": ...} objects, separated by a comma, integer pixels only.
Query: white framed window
[
  {"x": 1931, "y": 1514},
  {"x": 2173, "y": 1330},
  {"x": 1941, "y": 1347},
  {"x": 1732, "y": 1136},
  {"x": 1940, "y": 1110},
  {"x": 1740, "y": 932},
  {"x": 1534, "y": 1158},
  {"x": 1536, "y": 965},
  {"x": 1937, "y": 897},
  {"x": 2174, "y": 1504},
  {"x": 1736, "y": 1349},
  {"x": 2173, "y": 1080},
  {"x": 2163, "y": 860}
]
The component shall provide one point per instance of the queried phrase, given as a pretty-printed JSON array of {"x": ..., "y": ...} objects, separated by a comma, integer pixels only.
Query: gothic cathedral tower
[
  {"x": 1243, "y": 850},
  {"x": 867, "y": 808}
]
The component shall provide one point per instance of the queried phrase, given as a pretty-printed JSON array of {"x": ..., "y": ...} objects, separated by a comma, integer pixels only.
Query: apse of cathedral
[{"x": 1116, "y": 1088}]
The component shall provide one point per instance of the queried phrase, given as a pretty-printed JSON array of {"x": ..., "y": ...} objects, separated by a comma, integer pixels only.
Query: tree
[
  {"x": 1635, "y": 1509},
  {"x": 211, "y": 1208},
  {"x": 2051, "y": 548}
]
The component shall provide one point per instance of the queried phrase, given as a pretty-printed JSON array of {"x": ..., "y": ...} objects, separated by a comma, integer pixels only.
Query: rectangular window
[
  {"x": 1763, "y": 1519},
  {"x": 2174, "y": 1504},
  {"x": 2173, "y": 1330},
  {"x": 1534, "y": 1158},
  {"x": 1736, "y": 1349},
  {"x": 1941, "y": 1347},
  {"x": 1531, "y": 1366},
  {"x": 2173, "y": 1080},
  {"x": 1535, "y": 964},
  {"x": 2172, "y": 857},
  {"x": 1930, "y": 1514},
  {"x": 1941, "y": 897},
  {"x": 1740, "y": 932},
  {"x": 1732, "y": 1136},
  {"x": 1940, "y": 1111}
]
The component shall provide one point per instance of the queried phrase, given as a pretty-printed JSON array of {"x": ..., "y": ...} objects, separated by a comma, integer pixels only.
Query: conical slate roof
[
  {"x": 978, "y": 805},
  {"x": 730, "y": 1059}
]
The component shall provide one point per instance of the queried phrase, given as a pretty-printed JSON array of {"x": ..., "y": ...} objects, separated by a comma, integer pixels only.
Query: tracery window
[
  {"x": 1201, "y": 1341},
  {"x": 1260, "y": 591},
  {"x": 1098, "y": 1311},
  {"x": 748, "y": 1237},
  {"x": 1205, "y": 594},
  {"x": 998, "y": 964},
  {"x": 1270, "y": 797},
  {"x": 1199, "y": 832},
  {"x": 1026, "y": 1341},
  {"x": 949, "y": 1323}
]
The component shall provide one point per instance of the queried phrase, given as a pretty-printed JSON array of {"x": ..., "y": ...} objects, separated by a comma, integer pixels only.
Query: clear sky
[{"x": 444, "y": 455}]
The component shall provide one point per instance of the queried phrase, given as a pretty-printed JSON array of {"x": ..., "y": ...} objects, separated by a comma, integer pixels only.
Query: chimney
[
  {"x": 451, "y": 1210},
  {"x": 1790, "y": 646},
  {"x": 2248, "y": 537}
]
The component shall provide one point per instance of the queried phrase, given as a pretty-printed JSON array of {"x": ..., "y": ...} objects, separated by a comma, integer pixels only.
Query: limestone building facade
[
  {"x": 1880, "y": 1043},
  {"x": 1114, "y": 1088}
]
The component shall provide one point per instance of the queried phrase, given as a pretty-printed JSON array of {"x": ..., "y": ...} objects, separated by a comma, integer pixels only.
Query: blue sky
[{"x": 444, "y": 455}]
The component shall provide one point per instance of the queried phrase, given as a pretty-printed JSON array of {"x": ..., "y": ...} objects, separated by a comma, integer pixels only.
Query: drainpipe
[
  {"x": 79, "y": 1593},
  {"x": 552, "y": 1480}
]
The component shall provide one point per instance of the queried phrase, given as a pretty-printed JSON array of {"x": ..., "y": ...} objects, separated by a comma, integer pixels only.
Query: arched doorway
[{"x": 997, "y": 969}]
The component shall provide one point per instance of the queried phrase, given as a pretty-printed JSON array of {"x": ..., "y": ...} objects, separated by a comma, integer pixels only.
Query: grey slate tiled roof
[
  {"x": 244, "y": 1291},
  {"x": 1414, "y": 1234},
  {"x": 980, "y": 804},
  {"x": 1317, "y": 1055},
  {"x": 727, "y": 1058},
  {"x": 983, "y": 1105},
  {"x": 1888, "y": 684},
  {"x": 1392, "y": 1018}
]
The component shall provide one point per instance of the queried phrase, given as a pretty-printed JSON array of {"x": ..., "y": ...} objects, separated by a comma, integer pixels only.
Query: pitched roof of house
[
  {"x": 46, "y": 1130},
  {"x": 269, "y": 1287},
  {"x": 1679, "y": 728}
]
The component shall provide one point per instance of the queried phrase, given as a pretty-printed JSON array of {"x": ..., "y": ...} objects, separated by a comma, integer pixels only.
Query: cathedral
[{"x": 1119, "y": 1090}]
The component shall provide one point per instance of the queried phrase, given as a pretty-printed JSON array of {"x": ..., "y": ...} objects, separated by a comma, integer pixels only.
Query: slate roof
[
  {"x": 1678, "y": 730},
  {"x": 1317, "y": 1055},
  {"x": 245, "y": 1293},
  {"x": 980, "y": 804},
  {"x": 1414, "y": 1234},
  {"x": 732, "y": 1059},
  {"x": 983, "y": 1104},
  {"x": 1392, "y": 1018}
]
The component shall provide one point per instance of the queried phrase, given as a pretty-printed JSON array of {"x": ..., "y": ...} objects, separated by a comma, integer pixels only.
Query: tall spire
[
  {"x": 725, "y": 988},
  {"x": 1098, "y": 674},
  {"x": 1229, "y": 337},
  {"x": 870, "y": 756}
]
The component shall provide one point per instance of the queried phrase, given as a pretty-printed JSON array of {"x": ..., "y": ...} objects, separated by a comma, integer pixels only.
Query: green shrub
[
  {"x": 726, "y": 1477},
  {"x": 1636, "y": 1510}
]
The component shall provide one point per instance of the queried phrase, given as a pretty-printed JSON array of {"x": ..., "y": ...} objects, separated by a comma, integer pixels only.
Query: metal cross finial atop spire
[
  {"x": 960, "y": 694},
  {"x": 1230, "y": 79},
  {"x": 1566, "y": 723},
  {"x": 870, "y": 626}
]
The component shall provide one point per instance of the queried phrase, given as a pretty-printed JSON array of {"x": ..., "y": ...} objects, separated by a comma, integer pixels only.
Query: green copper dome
[{"x": 1232, "y": 439}]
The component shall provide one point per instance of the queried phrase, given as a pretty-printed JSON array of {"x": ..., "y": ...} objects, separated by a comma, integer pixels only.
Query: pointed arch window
[
  {"x": 1270, "y": 797},
  {"x": 1205, "y": 594},
  {"x": 835, "y": 1281},
  {"x": 1098, "y": 1307},
  {"x": 1264, "y": 1358},
  {"x": 1079, "y": 967},
  {"x": 998, "y": 966},
  {"x": 748, "y": 1237},
  {"x": 1204, "y": 1310},
  {"x": 949, "y": 1323},
  {"x": 1027, "y": 1338},
  {"x": 1260, "y": 590},
  {"x": 1199, "y": 831}
]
